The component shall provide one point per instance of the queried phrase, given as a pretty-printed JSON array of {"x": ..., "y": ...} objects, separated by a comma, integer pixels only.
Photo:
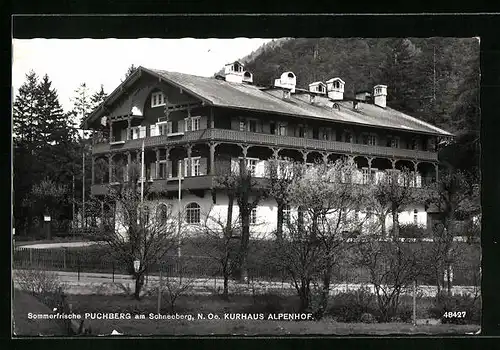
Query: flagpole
[
  {"x": 142, "y": 173},
  {"x": 180, "y": 206}
]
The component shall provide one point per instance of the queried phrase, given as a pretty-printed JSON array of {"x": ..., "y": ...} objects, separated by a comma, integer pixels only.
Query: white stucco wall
[{"x": 266, "y": 213}]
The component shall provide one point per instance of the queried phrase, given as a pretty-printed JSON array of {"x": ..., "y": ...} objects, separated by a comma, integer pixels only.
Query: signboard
[{"x": 46, "y": 218}]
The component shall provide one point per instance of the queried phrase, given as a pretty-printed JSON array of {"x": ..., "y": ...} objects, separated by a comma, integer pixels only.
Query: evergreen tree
[
  {"x": 82, "y": 107},
  {"x": 26, "y": 120},
  {"x": 131, "y": 69},
  {"x": 97, "y": 98}
]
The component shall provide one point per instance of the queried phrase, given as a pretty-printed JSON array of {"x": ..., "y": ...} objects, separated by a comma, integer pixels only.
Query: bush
[
  {"x": 405, "y": 313},
  {"x": 368, "y": 318},
  {"x": 445, "y": 303},
  {"x": 42, "y": 284},
  {"x": 350, "y": 306},
  {"x": 412, "y": 231}
]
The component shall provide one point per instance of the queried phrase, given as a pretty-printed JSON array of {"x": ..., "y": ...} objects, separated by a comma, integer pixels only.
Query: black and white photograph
[{"x": 246, "y": 186}]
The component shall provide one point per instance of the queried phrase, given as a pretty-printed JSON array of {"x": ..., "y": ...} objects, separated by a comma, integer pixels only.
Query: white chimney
[
  {"x": 288, "y": 80},
  {"x": 335, "y": 88},
  {"x": 247, "y": 77},
  {"x": 234, "y": 72},
  {"x": 318, "y": 87},
  {"x": 380, "y": 95}
]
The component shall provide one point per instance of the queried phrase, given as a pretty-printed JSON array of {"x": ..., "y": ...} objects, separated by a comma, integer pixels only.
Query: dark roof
[{"x": 250, "y": 97}]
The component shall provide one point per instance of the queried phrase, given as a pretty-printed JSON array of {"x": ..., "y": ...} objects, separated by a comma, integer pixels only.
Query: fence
[{"x": 98, "y": 260}]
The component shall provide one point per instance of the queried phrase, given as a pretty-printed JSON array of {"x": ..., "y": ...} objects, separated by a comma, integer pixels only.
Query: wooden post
[
  {"x": 159, "y": 292},
  {"x": 31, "y": 256},
  {"x": 415, "y": 302},
  {"x": 64, "y": 257}
]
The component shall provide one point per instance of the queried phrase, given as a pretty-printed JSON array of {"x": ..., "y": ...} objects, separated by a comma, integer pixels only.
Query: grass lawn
[
  {"x": 209, "y": 304},
  {"x": 24, "y": 303}
]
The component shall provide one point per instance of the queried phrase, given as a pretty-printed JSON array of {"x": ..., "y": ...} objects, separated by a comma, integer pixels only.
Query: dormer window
[{"x": 157, "y": 99}]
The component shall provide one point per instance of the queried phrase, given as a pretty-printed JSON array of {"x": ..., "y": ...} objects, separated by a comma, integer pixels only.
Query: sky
[{"x": 70, "y": 62}]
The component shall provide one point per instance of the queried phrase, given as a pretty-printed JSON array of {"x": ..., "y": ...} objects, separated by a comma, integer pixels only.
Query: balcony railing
[{"x": 252, "y": 138}]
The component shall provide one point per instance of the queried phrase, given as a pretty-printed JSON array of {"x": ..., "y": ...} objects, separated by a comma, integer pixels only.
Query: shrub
[
  {"x": 368, "y": 318},
  {"x": 412, "y": 231},
  {"x": 405, "y": 313},
  {"x": 350, "y": 306},
  {"x": 445, "y": 303}
]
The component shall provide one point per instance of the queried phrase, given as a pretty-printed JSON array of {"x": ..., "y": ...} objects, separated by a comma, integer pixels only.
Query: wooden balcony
[{"x": 260, "y": 139}]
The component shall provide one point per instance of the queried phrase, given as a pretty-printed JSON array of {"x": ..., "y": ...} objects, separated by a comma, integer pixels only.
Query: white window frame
[
  {"x": 193, "y": 213},
  {"x": 394, "y": 141},
  {"x": 253, "y": 216},
  {"x": 415, "y": 217},
  {"x": 287, "y": 211},
  {"x": 251, "y": 164},
  {"x": 164, "y": 128},
  {"x": 193, "y": 124},
  {"x": 282, "y": 127},
  {"x": 157, "y": 99},
  {"x": 195, "y": 166}
]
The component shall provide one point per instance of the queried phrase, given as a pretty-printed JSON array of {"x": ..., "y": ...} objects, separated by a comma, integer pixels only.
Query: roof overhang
[{"x": 123, "y": 88}]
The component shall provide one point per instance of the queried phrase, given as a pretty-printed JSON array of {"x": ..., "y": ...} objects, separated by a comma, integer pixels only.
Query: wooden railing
[{"x": 252, "y": 138}]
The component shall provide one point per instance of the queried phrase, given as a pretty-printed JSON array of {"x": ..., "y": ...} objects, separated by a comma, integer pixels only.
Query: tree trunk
[
  {"x": 304, "y": 294},
  {"x": 279, "y": 227},
  {"x": 245, "y": 240},
  {"x": 139, "y": 282},
  {"x": 395, "y": 224},
  {"x": 230, "y": 197},
  {"x": 382, "y": 225},
  {"x": 225, "y": 293},
  {"x": 325, "y": 293}
]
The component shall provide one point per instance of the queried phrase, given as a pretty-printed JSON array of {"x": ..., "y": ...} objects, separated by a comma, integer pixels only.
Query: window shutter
[
  {"x": 203, "y": 122},
  {"x": 187, "y": 124},
  {"x": 203, "y": 166},
  {"x": 169, "y": 127},
  {"x": 123, "y": 134},
  {"x": 235, "y": 123},
  {"x": 260, "y": 168},
  {"x": 180, "y": 126},
  {"x": 152, "y": 130}
]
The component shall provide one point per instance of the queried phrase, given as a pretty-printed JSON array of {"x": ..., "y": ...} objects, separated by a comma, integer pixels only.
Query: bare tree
[
  {"x": 140, "y": 230},
  {"x": 281, "y": 173},
  {"x": 332, "y": 203},
  {"x": 240, "y": 185},
  {"x": 393, "y": 266},
  {"x": 218, "y": 240},
  {"x": 391, "y": 193}
]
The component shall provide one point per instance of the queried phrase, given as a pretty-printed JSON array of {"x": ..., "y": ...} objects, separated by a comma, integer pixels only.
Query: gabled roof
[{"x": 221, "y": 93}]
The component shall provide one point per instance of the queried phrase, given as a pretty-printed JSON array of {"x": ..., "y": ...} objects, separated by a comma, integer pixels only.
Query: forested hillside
[{"x": 435, "y": 79}]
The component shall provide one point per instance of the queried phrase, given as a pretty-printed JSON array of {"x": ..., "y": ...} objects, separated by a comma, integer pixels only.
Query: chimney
[
  {"x": 234, "y": 72},
  {"x": 335, "y": 88},
  {"x": 380, "y": 95},
  {"x": 288, "y": 80},
  {"x": 363, "y": 96},
  {"x": 247, "y": 77}
]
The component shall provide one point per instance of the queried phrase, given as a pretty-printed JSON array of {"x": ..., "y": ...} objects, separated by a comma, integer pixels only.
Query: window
[
  {"x": 163, "y": 169},
  {"x": 162, "y": 213},
  {"x": 370, "y": 140},
  {"x": 348, "y": 137},
  {"x": 193, "y": 213},
  {"x": 252, "y": 125},
  {"x": 302, "y": 131},
  {"x": 195, "y": 123},
  {"x": 164, "y": 128},
  {"x": 324, "y": 134},
  {"x": 242, "y": 125},
  {"x": 157, "y": 99},
  {"x": 253, "y": 216},
  {"x": 414, "y": 144},
  {"x": 282, "y": 130},
  {"x": 366, "y": 176},
  {"x": 286, "y": 214},
  {"x": 415, "y": 217},
  {"x": 196, "y": 166},
  {"x": 315, "y": 133},
  {"x": 272, "y": 128},
  {"x": 393, "y": 142},
  {"x": 251, "y": 165}
]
